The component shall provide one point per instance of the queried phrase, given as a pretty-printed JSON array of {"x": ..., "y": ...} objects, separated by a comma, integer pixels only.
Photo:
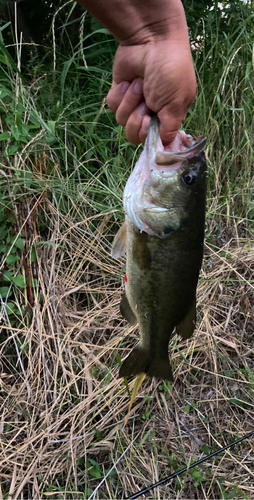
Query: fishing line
[{"x": 166, "y": 479}]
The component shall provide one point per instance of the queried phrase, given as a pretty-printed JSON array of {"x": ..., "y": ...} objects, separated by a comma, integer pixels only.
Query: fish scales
[{"x": 163, "y": 239}]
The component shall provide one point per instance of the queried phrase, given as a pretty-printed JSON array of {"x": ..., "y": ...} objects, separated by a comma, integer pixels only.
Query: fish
[{"x": 162, "y": 237}]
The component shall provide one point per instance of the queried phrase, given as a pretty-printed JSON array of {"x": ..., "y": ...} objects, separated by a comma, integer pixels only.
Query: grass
[{"x": 64, "y": 164}]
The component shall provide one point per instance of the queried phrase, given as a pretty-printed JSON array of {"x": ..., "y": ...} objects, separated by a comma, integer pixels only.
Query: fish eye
[{"x": 189, "y": 178}]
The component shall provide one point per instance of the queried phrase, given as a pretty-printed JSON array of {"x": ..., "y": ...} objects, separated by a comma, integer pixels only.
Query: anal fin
[
  {"x": 187, "y": 326},
  {"x": 126, "y": 310}
]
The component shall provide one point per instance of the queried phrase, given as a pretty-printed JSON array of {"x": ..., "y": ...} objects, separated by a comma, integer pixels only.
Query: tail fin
[
  {"x": 140, "y": 360},
  {"x": 160, "y": 367}
]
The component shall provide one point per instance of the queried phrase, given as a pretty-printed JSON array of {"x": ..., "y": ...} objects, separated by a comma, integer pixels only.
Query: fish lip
[
  {"x": 161, "y": 157},
  {"x": 172, "y": 157},
  {"x": 160, "y": 209}
]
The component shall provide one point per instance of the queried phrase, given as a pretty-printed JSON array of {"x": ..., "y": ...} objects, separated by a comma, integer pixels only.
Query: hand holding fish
[
  {"x": 153, "y": 69},
  {"x": 167, "y": 86}
]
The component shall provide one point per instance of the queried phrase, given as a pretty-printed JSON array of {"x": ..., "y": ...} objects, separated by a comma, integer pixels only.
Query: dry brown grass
[{"x": 63, "y": 405}]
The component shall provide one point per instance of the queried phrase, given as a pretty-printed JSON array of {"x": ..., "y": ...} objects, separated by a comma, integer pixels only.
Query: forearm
[{"x": 138, "y": 21}]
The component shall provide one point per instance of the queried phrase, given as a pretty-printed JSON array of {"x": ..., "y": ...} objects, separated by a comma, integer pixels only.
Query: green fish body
[{"x": 163, "y": 233}]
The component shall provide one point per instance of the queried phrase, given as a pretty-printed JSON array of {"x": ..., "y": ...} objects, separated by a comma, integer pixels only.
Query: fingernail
[
  {"x": 142, "y": 109},
  {"x": 124, "y": 87},
  {"x": 138, "y": 86},
  {"x": 145, "y": 124}
]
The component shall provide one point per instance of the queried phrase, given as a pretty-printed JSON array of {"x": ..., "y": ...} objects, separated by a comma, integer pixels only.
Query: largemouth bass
[{"x": 162, "y": 236}]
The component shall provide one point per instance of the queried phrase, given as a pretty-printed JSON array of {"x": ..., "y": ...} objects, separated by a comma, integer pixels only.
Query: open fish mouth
[
  {"x": 183, "y": 147},
  {"x": 171, "y": 157}
]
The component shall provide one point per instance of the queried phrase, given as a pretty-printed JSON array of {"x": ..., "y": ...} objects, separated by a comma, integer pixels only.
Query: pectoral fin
[
  {"x": 187, "y": 326},
  {"x": 119, "y": 244},
  {"x": 126, "y": 311}
]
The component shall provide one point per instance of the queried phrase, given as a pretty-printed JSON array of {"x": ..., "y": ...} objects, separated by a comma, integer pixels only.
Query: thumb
[{"x": 169, "y": 125}]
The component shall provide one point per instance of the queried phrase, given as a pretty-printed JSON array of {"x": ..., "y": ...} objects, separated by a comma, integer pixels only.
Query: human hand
[{"x": 156, "y": 76}]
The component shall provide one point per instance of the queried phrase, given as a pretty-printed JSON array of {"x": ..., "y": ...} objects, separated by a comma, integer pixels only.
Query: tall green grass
[{"x": 65, "y": 104}]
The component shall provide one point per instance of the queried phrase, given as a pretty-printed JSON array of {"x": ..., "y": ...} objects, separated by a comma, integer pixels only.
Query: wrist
[
  {"x": 134, "y": 22},
  {"x": 157, "y": 21}
]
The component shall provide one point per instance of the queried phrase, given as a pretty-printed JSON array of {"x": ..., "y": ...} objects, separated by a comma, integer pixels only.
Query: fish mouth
[
  {"x": 171, "y": 157},
  {"x": 156, "y": 209},
  {"x": 183, "y": 147}
]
